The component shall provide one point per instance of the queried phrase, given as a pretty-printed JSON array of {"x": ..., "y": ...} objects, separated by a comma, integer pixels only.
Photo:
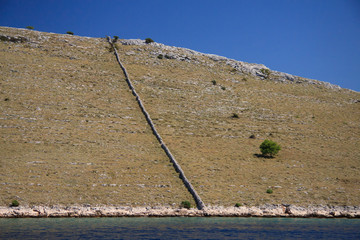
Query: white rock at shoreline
[{"x": 244, "y": 211}]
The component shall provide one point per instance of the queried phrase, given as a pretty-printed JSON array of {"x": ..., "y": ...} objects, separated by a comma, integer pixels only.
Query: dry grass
[
  {"x": 71, "y": 132},
  {"x": 317, "y": 128},
  {"x": 71, "y": 125}
]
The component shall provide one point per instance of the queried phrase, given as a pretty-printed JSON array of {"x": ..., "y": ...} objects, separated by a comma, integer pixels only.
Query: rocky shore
[{"x": 213, "y": 211}]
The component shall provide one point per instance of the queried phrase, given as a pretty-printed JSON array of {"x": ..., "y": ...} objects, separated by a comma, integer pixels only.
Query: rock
[{"x": 261, "y": 211}]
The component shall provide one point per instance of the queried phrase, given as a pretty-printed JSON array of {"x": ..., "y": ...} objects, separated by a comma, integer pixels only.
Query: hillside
[{"x": 72, "y": 133}]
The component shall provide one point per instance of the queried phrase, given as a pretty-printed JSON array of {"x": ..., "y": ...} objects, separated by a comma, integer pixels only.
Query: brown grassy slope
[
  {"x": 70, "y": 130},
  {"x": 317, "y": 128}
]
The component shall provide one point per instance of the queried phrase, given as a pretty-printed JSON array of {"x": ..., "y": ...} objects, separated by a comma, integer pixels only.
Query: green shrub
[
  {"x": 69, "y": 32},
  {"x": 15, "y": 203},
  {"x": 223, "y": 88},
  {"x": 148, "y": 40},
  {"x": 265, "y": 71},
  {"x": 213, "y": 82},
  {"x": 235, "y": 115},
  {"x": 269, "y": 148},
  {"x": 160, "y": 56},
  {"x": 238, "y": 205},
  {"x": 115, "y": 39},
  {"x": 30, "y": 27},
  {"x": 269, "y": 191},
  {"x": 185, "y": 204},
  {"x": 252, "y": 136}
]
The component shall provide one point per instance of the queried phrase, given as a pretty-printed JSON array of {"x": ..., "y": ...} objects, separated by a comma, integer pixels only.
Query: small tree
[
  {"x": 269, "y": 148},
  {"x": 148, "y": 40},
  {"x": 69, "y": 32}
]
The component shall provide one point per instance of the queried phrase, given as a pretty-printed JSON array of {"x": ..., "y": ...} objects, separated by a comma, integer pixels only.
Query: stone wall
[{"x": 176, "y": 165}]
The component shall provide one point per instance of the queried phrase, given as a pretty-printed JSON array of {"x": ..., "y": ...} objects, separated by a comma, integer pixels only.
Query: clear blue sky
[{"x": 318, "y": 39}]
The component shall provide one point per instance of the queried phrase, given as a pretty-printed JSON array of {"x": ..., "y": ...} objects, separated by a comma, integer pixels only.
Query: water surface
[{"x": 179, "y": 228}]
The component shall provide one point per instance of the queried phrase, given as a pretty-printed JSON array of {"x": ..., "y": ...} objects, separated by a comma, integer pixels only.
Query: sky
[{"x": 316, "y": 39}]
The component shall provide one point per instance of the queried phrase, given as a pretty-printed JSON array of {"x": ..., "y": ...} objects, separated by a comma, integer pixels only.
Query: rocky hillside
[{"x": 72, "y": 133}]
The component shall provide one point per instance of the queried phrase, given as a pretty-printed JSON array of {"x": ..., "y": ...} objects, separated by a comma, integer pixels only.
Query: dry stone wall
[{"x": 200, "y": 204}]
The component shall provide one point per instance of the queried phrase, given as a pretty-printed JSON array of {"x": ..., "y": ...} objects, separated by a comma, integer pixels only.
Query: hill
[{"x": 71, "y": 132}]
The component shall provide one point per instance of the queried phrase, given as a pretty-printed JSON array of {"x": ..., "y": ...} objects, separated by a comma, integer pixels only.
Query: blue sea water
[{"x": 179, "y": 228}]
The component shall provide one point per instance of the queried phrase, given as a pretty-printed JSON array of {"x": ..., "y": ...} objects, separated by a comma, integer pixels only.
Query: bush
[
  {"x": 185, "y": 204},
  {"x": 160, "y": 56},
  {"x": 252, "y": 136},
  {"x": 69, "y": 32},
  {"x": 269, "y": 148},
  {"x": 30, "y": 27},
  {"x": 15, "y": 203},
  {"x": 269, "y": 191},
  {"x": 235, "y": 115},
  {"x": 223, "y": 88},
  {"x": 238, "y": 205},
  {"x": 115, "y": 39},
  {"x": 213, "y": 82},
  {"x": 265, "y": 71},
  {"x": 148, "y": 40}
]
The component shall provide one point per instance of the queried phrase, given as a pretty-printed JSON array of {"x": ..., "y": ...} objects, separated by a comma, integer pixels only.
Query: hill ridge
[
  {"x": 69, "y": 132},
  {"x": 254, "y": 69}
]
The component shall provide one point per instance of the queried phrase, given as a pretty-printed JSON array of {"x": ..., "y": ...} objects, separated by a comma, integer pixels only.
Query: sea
[{"x": 179, "y": 228}]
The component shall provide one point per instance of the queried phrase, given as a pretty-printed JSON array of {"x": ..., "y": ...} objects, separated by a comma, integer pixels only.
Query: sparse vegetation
[
  {"x": 15, "y": 203},
  {"x": 223, "y": 88},
  {"x": 213, "y": 82},
  {"x": 116, "y": 38},
  {"x": 16, "y": 39},
  {"x": 30, "y": 27},
  {"x": 70, "y": 33},
  {"x": 269, "y": 191},
  {"x": 235, "y": 115},
  {"x": 160, "y": 56},
  {"x": 185, "y": 204},
  {"x": 238, "y": 205},
  {"x": 265, "y": 71},
  {"x": 252, "y": 136},
  {"x": 214, "y": 150},
  {"x": 148, "y": 40},
  {"x": 269, "y": 148}
]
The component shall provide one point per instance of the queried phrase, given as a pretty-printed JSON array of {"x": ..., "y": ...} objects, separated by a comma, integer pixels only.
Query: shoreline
[{"x": 283, "y": 211}]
